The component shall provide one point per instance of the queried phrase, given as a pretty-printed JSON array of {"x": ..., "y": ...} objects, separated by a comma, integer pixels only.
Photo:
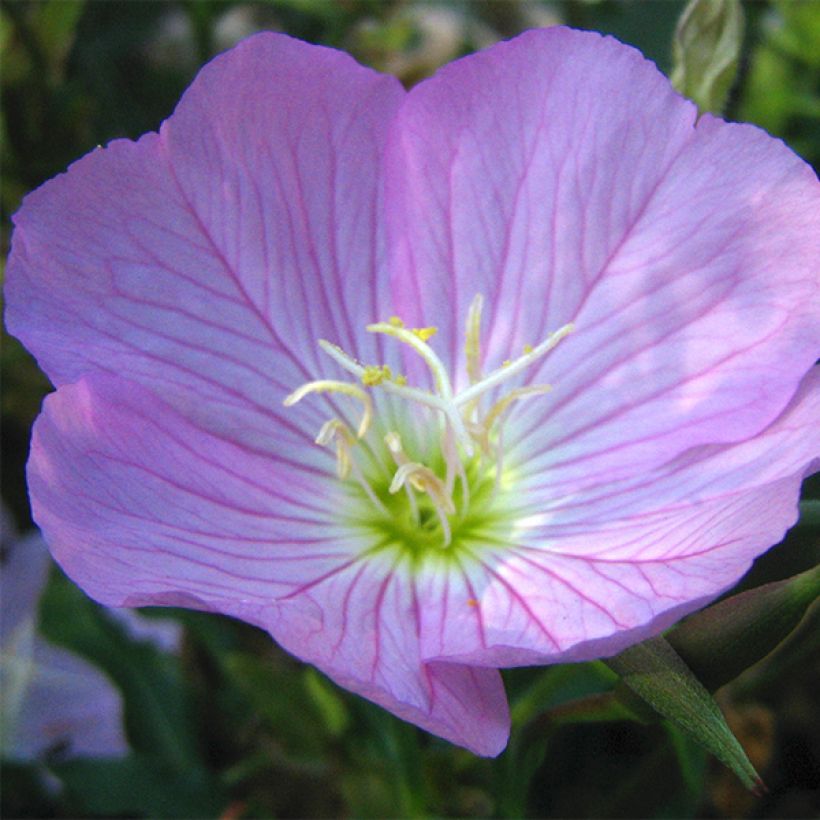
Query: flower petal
[
  {"x": 206, "y": 260},
  {"x": 594, "y": 574},
  {"x": 362, "y": 627},
  {"x": 573, "y": 593},
  {"x": 560, "y": 175},
  {"x": 787, "y": 447},
  {"x": 140, "y": 506}
]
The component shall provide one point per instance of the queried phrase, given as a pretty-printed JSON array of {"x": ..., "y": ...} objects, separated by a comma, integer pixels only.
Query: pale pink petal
[
  {"x": 362, "y": 627},
  {"x": 561, "y": 176},
  {"x": 141, "y": 506},
  {"x": 586, "y": 576},
  {"x": 786, "y": 448},
  {"x": 206, "y": 260}
]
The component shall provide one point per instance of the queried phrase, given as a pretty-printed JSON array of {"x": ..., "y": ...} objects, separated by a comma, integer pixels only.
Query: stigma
[{"x": 466, "y": 428}]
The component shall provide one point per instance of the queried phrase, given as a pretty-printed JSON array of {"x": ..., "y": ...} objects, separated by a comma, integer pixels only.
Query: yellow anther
[
  {"x": 395, "y": 321},
  {"x": 528, "y": 349},
  {"x": 331, "y": 386},
  {"x": 400, "y": 380},
  {"x": 375, "y": 374},
  {"x": 506, "y": 363},
  {"x": 424, "y": 333}
]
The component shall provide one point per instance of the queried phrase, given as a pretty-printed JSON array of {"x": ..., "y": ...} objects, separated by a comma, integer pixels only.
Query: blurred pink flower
[
  {"x": 659, "y": 271},
  {"x": 52, "y": 698}
]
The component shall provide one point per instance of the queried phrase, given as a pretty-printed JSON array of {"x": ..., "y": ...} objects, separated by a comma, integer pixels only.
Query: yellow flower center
[{"x": 467, "y": 431}]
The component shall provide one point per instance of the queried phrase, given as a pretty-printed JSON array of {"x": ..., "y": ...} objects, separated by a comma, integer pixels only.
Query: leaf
[
  {"x": 656, "y": 673},
  {"x": 720, "y": 642},
  {"x": 809, "y": 514},
  {"x": 138, "y": 785},
  {"x": 706, "y": 50}
]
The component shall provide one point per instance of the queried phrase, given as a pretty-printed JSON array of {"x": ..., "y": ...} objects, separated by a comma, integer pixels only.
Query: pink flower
[
  {"x": 53, "y": 700},
  {"x": 660, "y": 269}
]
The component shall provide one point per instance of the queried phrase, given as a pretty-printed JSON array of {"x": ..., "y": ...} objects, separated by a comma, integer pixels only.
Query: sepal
[
  {"x": 720, "y": 642},
  {"x": 654, "y": 672}
]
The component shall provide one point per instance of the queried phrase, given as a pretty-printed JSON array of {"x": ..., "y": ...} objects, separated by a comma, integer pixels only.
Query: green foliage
[{"x": 782, "y": 88}]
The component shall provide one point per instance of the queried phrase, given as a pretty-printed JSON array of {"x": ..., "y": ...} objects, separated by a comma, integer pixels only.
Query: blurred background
[{"x": 181, "y": 714}]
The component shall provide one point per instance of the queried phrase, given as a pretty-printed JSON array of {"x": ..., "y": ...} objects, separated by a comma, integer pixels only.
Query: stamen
[
  {"x": 425, "y": 480},
  {"x": 472, "y": 344},
  {"x": 393, "y": 442},
  {"x": 514, "y": 395},
  {"x": 398, "y": 387},
  {"x": 462, "y": 431},
  {"x": 331, "y": 386},
  {"x": 337, "y": 431},
  {"x": 508, "y": 370},
  {"x": 442, "y": 380},
  {"x": 455, "y": 467},
  {"x": 424, "y": 350}
]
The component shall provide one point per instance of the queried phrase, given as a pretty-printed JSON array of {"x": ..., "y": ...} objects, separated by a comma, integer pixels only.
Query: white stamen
[
  {"x": 424, "y": 479},
  {"x": 331, "y": 386},
  {"x": 337, "y": 431},
  {"x": 463, "y": 430},
  {"x": 442, "y": 380},
  {"x": 472, "y": 345},
  {"x": 506, "y": 372}
]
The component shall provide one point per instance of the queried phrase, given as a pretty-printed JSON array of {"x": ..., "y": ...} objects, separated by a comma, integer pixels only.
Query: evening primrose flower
[{"x": 514, "y": 368}]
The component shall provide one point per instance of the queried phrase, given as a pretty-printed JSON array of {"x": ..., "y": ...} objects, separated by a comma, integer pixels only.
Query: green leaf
[
  {"x": 720, "y": 642},
  {"x": 656, "y": 673},
  {"x": 327, "y": 701},
  {"x": 705, "y": 51},
  {"x": 809, "y": 514},
  {"x": 138, "y": 785}
]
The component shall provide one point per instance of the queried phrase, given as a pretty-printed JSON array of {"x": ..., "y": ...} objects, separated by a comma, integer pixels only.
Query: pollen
[
  {"x": 424, "y": 333},
  {"x": 376, "y": 374}
]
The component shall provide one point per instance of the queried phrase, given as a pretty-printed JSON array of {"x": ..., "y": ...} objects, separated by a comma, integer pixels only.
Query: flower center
[{"x": 465, "y": 429}]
